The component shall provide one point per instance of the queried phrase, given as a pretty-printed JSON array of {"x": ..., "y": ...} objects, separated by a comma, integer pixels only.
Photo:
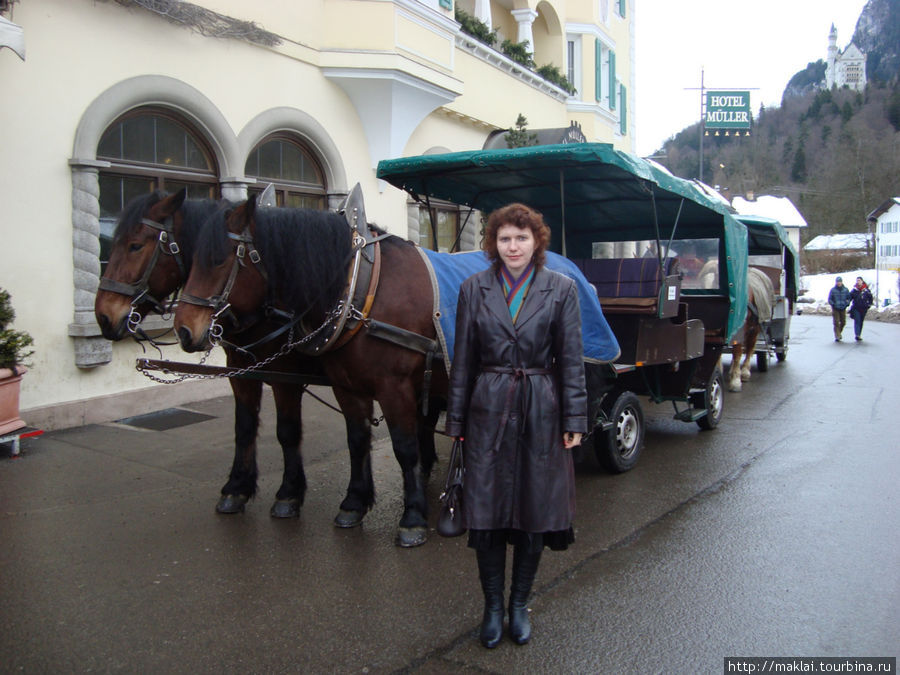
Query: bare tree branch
[{"x": 205, "y": 21}]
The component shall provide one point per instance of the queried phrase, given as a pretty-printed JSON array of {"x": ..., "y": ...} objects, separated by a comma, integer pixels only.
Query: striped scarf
[{"x": 516, "y": 290}]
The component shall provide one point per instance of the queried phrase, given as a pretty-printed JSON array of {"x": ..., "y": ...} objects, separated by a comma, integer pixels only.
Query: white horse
[{"x": 760, "y": 301}]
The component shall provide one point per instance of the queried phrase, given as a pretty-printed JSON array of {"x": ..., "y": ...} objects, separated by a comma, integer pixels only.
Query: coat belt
[{"x": 518, "y": 374}]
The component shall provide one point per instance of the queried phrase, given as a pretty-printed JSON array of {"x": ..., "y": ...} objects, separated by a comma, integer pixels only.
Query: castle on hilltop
[{"x": 844, "y": 68}]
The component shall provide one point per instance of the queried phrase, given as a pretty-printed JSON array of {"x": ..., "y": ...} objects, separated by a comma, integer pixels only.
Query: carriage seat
[{"x": 634, "y": 285}]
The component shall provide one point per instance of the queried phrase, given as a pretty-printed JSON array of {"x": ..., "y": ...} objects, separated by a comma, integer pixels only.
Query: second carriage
[
  {"x": 771, "y": 250},
  {"x": 641, "y": 237}
]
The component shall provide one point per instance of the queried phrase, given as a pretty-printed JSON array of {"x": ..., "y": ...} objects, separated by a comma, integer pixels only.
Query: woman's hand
[{"x": 571, "y": 439}]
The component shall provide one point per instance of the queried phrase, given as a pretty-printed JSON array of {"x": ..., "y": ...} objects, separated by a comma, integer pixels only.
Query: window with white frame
[
  {"x": 604, "y": 11},
  {"x": 573, "y": 61},
  {"x": 604, "y": 75}
]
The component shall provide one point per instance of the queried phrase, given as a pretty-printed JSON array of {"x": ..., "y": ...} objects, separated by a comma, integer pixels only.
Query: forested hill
[{"x": 835, "y": 153}]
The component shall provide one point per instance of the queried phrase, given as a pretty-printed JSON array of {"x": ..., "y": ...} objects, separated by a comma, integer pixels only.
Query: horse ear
[
  {"x": 251, "y": 206},
  {"x": 171, "y": 203}
]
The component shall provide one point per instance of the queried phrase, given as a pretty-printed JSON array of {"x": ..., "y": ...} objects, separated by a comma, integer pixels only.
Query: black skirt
[{"x": 534, "y": 542}]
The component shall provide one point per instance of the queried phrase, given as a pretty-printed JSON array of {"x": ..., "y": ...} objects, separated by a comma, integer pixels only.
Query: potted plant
[{"x": 15, "y": 349}]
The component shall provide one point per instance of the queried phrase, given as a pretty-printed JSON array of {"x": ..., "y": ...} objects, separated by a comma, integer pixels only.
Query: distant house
[
  {"x": 886, "y": 219},
  {"x": 781, "y": 209},
  {"x": 835, "y": 252}
]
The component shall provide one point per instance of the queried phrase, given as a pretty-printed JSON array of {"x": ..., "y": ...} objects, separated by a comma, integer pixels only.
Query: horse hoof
[
  {"x": 231, "y": 504},
  {"x": 410, "y": 537},
  {"x": 285, "y": 508},
  {"x": 347, "y": 519}
]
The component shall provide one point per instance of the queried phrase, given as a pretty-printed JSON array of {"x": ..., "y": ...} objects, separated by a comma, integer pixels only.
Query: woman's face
[{"x": 515, "y": 246}]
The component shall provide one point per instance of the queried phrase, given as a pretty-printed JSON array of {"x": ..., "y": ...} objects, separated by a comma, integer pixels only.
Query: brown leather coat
[{"x": 514, "y": 390}]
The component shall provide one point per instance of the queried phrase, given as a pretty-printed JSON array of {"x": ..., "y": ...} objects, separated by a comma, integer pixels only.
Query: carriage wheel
[
  {"x": 780, "y": 351},
  {"x": 714, "y": 402},
  {"x": 762, "y": 361},
  {"x": 618, "y": 448}
]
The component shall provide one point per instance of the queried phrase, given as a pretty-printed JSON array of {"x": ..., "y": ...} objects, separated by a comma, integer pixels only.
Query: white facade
[
  {"x": 887, "y": 234},
  {"x": 351, "y": 82},
  {"x": 844, "y": 68}
]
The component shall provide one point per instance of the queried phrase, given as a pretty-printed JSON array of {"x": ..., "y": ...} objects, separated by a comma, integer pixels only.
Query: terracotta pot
[{"x": 10, "y": 381}]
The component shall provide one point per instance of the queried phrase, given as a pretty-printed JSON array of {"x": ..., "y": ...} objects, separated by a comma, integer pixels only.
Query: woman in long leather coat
[{"x": 517, "y": 396}]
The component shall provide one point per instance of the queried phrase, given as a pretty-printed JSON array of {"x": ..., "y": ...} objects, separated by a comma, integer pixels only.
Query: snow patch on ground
[{"x": 815, "y": 288}]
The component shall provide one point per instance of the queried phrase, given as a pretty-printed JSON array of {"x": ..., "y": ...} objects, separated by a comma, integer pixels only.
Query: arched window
[
  {"x": 282, "y": 160},
  {"x": 151, "y": 149}
]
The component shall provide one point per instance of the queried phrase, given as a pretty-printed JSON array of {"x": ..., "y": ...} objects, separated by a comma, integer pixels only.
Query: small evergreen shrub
[{"x": 14, "y": 344}]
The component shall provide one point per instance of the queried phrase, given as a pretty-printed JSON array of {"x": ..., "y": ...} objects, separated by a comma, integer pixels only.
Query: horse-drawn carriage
[
  {"x": 771, "y": 251},
  {"x": 641, "y": 237},
  {"x": 294, "y": 291}
]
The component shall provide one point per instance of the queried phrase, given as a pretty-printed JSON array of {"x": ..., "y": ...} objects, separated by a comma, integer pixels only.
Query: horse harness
[
  {"x": 344, "y": 321},
  {"x": 245, "y": 249},
  {"x": 139, "y": 291}
]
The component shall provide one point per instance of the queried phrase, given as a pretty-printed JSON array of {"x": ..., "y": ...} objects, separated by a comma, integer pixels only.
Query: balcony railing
[{"x": 488, "y": 55}]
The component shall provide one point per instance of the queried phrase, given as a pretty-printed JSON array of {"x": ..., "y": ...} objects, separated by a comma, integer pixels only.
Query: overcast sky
[{"x": 748, "y": 44}]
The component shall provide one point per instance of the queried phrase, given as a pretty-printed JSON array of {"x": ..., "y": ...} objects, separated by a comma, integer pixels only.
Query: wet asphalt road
[{"x": 776, "y": 534}]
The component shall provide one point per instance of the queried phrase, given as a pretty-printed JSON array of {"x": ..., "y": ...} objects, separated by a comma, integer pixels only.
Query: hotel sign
[{"x": 727, "y": 110}]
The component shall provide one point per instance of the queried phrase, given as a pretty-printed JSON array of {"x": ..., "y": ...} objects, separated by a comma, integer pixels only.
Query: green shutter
[
  {"x": 598, "y": 78},
  {"x": 622, "y": 5},
  {"x": 612, "y": 80},
  {"x": 623, "y": 111}
]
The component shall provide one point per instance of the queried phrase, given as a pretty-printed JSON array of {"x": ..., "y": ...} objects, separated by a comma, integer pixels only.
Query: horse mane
[
  {"x": 129, "y": 220},
  {"x": 194, "y": 214},
  {"x": 305, "y": 253}
]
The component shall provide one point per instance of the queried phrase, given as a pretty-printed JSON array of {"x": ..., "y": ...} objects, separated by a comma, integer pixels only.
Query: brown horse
[
  {"x": 151, "y": 257},
  {"x": 760, "y": 300},
  {"x": 303, "y": 258}
]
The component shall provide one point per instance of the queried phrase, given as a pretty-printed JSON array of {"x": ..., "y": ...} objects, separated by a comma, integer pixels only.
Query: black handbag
[{"x": 450, "y": 517}]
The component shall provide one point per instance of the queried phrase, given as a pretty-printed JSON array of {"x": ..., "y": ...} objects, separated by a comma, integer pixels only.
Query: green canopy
[
  {"x": 766, "y": 236},
  {"x": 587, "y": 192}
]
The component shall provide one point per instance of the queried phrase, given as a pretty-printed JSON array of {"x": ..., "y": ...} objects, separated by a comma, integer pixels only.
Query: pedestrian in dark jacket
[
  {"x": 517, "y": 395},
  {"x": 838, "y": 298},
  {"x": 861, "y": 300}
]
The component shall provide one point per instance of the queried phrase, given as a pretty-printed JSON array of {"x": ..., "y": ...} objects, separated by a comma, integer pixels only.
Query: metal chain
[{"x": 285, "y": 348}]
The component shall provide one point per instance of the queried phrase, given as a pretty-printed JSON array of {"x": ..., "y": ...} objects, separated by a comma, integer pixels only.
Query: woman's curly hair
[{"x": 523, "y": 217}]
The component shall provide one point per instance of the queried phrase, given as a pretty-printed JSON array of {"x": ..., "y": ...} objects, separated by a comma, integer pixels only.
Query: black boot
[
  {"x": 491, "y": 572},
  {"x": 525, "y": 566}
]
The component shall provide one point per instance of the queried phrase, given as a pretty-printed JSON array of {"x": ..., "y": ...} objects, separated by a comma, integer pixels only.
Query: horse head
[
  {"x": 145, "y": 262},
  {"x": 227, "y": 282}
]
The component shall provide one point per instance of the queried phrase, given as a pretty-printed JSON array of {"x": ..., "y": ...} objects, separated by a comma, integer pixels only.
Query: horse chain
[{"x": 289, "y": 345}]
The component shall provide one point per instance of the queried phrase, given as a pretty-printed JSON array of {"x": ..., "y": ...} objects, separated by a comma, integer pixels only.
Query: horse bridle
[
  {"x": 336, "y": 319},
  {"x": 139, "y": 292},
  {"x": 219, "y": 303}
]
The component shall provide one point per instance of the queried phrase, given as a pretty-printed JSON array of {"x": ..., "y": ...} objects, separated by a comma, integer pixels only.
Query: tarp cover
[
  {"x": 449, "y": 270},
  {"x": 766, "y": 236},
  {"x": 587, "y": 192}
]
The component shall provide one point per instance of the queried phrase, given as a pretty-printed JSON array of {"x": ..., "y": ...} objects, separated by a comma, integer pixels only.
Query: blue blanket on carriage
[{"x": 449, "y": 270}]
